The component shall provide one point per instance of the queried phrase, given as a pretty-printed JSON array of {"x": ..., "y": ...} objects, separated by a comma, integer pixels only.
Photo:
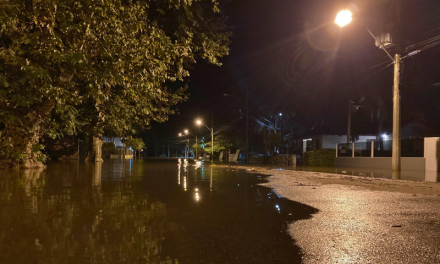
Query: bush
[
  {"x": 109, "y": 148},
  {"x": 320, "y": 157}
]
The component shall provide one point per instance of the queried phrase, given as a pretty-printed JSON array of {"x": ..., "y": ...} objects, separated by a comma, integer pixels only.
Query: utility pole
[
  {"x": 396, "y": 116},
  {"x": 247, "y": 126},
  {"x": 212, "y": 136},
  {"x": 197, "y": 146},
  {"x": 396, "y": 153},
  {"x": 349, "y": 121}
]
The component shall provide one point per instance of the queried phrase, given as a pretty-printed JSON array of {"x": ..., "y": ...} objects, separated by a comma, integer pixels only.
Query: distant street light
[
  {"x": 187, "y": 148},
  {"x": 344, "y": 18},
  {"x": 199, "y": 122},
  {"x": 189, "y": 133}
]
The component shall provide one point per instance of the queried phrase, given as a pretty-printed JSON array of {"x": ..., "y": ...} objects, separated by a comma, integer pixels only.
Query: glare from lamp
[{"x": 343, "y": 18}]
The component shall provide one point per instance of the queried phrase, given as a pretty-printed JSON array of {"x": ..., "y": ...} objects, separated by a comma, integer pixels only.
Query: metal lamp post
[
  {"x": 187, "y": 146},
  {"x": 187, "y": 133},
  {"x": 199, "y": 122},
  {"x": 344, "y": 18}
]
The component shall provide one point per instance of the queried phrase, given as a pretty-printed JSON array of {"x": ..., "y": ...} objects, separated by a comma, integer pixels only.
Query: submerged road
[
  {"x": 141, "y": 211},
  {"x": 138, "y": 211}
]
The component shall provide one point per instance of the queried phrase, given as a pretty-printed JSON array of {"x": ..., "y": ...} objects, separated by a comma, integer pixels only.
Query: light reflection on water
[{"x": 137, "y": 212}]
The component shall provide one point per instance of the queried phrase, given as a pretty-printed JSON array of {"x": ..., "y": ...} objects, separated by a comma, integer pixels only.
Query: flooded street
[{"x": 140, "y": 211}]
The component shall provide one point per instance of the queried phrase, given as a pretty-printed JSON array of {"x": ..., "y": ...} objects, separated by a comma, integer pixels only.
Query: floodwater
[{"x": 138, "y": 211}]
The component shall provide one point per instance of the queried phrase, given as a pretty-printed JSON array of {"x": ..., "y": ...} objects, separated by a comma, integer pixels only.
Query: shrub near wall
[{"x": 320, "y": 157}]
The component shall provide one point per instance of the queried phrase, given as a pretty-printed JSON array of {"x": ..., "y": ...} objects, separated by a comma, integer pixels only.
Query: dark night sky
[{"x": 293, "y": 59}]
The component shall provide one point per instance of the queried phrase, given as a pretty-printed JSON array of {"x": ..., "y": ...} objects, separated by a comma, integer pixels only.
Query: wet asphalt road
[{"x": 355, "y": 225}]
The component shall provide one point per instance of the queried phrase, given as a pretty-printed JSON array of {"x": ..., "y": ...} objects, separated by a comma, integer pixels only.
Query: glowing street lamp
[
  {"x": 187, "y": 148},
  {"x": 343, "y": 18},
  {"x": 199, "y": 122}
]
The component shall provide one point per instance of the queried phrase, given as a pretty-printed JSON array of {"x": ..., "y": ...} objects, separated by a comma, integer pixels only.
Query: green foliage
[
  {"x": 197, "y": 148},
  {"x": 320, "y": 157},
  {"x": 224, "y": 141},
  {"x": 271, "y": 139},
  {"x": 135, "y": 143},
  {"x": 99, "y": 66},
  {"x": 109, "y": 147}
]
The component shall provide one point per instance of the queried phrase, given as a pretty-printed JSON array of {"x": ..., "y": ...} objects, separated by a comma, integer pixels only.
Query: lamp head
[
  {"x": 199, "y": 122},
  {"x": 186, "y": 131},
  {"x": 225, "y": 94},
  {"x": 180, "y": 134},
  {"x": 343, "y": 18}
]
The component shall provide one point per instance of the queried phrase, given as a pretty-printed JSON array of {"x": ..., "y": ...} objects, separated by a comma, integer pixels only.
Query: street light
[
  {"x": 186, "y": 150},
  {"x": 199, "y": 122},
  {"x": 247, "y": 121},
  {"x": 187, "y": 133},
  {"x": 344, "y": 18}
]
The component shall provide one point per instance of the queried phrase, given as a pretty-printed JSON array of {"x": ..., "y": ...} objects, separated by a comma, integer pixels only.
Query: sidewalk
[
  {"x": 301, "y": 178},
  {"x": 360, "y": 219}
]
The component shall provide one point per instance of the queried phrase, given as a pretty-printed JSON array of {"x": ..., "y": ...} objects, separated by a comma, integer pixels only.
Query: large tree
[{"x": 96, "y": 65}]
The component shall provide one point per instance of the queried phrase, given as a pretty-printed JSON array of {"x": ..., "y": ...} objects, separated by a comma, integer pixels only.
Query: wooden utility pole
[
  {"x": 349, "y": 121},
  {"x": 396, "y": 153}
]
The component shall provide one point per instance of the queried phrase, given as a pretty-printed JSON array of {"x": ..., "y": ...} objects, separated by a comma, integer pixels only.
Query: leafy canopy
[
  {"x": 135, "y": 143},
  {"x": 100, "y": 66}
]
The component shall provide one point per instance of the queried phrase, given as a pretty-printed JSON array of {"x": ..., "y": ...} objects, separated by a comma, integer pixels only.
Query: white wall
[
  {"x": 365, "y": 138},
  {"x": 330, "y": 141},
  {"x": 117, "y": 141},
  {"x": 431, "y": 153}
]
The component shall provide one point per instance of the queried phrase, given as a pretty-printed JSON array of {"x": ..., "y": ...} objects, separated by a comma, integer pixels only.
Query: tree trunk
[
  {"x": 19, "y": 140},
  {"x": 94, "y": 150}
]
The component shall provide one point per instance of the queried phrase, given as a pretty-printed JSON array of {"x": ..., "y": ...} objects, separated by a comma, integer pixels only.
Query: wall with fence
[
  {"x": 407, "y": 163},
  {"x": 377, "y": 154},
  {"x": 409, "y": 148}
]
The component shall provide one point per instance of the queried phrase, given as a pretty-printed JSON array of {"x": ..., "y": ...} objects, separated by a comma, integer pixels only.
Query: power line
[
  {"x": 425, "y": 33},
  {"x": 423, "y": 42},
  {"x": 367, "y": 69},
  {"x": 369, "y": 76}
]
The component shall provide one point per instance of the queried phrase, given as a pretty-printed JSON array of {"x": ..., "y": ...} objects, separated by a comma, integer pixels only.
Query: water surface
[{"x": 136, "y": 211}]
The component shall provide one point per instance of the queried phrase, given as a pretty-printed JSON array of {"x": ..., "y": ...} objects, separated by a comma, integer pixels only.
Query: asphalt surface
[{"x": 356, "y": 225}]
